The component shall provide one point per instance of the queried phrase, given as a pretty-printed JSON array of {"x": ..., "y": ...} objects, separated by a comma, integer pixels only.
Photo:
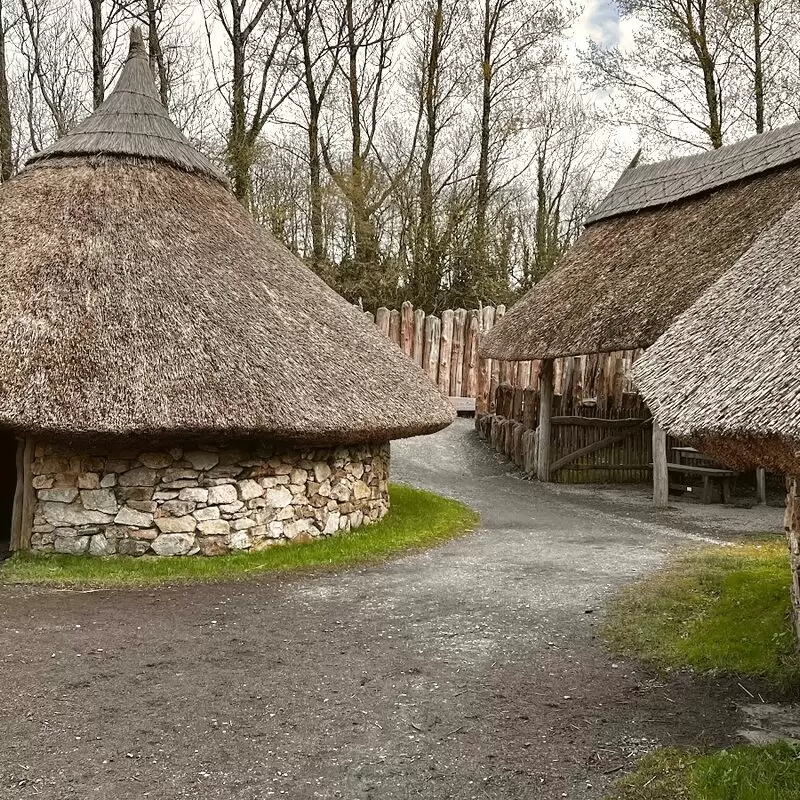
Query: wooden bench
[{"x": 711, "y": 477}]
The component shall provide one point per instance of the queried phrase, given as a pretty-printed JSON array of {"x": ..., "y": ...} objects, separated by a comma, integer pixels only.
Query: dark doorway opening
[{"x": 8, "y": 485}]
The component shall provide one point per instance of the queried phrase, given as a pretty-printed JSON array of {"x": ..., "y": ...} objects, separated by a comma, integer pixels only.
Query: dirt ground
[{"x": 470, "y": 671}]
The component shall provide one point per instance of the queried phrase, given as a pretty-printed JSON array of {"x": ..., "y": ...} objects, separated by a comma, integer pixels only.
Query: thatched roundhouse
[
  {"x": 726, "y": 372},
  {"x": 172, "y": 379},
  {"x": 662, "y": 236}
]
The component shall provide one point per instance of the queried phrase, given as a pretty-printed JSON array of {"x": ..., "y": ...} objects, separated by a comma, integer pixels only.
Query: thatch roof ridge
[
  {"x": 628, "y": 277},
  {"x": 132, "y": 122},
  {"x": 727, "y": 368},
  {"x": 663, "y": 182}
]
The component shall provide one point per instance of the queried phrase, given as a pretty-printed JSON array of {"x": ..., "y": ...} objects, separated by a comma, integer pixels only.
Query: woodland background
[{"x": 444, "y": 152}]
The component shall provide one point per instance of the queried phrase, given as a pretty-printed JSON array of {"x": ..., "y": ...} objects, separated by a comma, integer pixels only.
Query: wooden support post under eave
[
  {"x": 545, "y": 412},
  {"x": 761, "y": 485},
  {"x": 22, "y": 512},
  {"x": 793, "y": 530},
  {"x": 660, "y": 473}
]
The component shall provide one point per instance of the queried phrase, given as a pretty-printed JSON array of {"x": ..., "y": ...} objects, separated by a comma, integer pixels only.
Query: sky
[{"x": 600, "y": 23}]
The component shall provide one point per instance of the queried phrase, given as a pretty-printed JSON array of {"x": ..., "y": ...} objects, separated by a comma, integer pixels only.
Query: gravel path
[{"x": 470, "y": 671}]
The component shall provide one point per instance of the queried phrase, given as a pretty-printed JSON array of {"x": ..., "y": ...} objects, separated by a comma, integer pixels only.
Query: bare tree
[
  {"x": 258, "y": 78},
  {"x": 764, "y": 40},
  {"x": 372, "y": 28},
  {"x": 6, "y": 133},
  {"x": 157, "y": 61},
  {"x": 679, "y": 79},
  {"x": 98, "y": 62},
  {"x": 441, "y": 81},
  {"x": 52, "y": 53},
  {"x": 564, "y": 140},
  {"x": 317, "y": 26},
  {"x": 518, "y": 42}
]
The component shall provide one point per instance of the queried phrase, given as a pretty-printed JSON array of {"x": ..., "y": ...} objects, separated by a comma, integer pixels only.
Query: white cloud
[{"x": 599, "y": 23}]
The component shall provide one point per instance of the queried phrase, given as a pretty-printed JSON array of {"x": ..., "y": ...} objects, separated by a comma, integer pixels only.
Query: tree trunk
[
  {"x": 157, "y": 63},
  {"x": 426, "y": 254},
  {"x": 238, "y": 157},
  {"x": 315, "y": 188},
  {"x": 365, "y": 246},
  {"x": 6, "y": 155},
  {"x": 356, "y": 188},
  {"x": 758, "y": 71},
  {"x": 482, "y": 206},
  {"x": 699, "y": 42},
  {"x": 98, "y": 71},
  {"x": 540, "y": 256}
]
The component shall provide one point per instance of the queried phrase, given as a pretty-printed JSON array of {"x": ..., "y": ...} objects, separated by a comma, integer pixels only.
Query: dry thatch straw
[
  {"x": 664, "y": 234},
  {"x": 726, "y": 372},
  {"x": 140, "y": 299},
  {"x": 655, "y": 185},
  {"x": 132, "y": 122}
]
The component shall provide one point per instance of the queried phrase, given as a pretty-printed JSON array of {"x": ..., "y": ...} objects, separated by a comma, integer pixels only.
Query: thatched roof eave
[{"x": 727, "y": 369}]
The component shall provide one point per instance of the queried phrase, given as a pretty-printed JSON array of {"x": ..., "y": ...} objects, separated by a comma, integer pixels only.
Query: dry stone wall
[{"x": 207, "y": 501}]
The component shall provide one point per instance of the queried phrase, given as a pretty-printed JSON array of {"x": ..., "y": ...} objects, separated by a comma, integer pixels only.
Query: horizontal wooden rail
[
  {"x": 597, "y": 422},
  {"x": 692, "y": 470},
  {"x": 612, "y": 467}
]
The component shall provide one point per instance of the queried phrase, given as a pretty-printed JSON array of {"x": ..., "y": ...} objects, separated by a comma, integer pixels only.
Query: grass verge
[
  {"x": 771, "y": 772},
  {"x": 721, "y": 611},
  {"x": 417, "y": 519}
]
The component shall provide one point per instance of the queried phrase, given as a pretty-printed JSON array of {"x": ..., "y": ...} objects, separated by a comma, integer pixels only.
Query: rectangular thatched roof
[
  {"x": 664, "y": 234},
  {"x": 653, "y": 185}
]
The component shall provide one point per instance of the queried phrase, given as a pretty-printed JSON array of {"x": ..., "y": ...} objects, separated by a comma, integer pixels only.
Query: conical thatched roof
[
  {"x": 140, "y": 299},
  {"x": 663, "y": 235},
  {"x": 726, "y": 372},
  {"x": 132, "y": 122}
]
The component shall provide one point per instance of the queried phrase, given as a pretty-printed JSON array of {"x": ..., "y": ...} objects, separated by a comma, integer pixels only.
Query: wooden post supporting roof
[
  {"x": 22, "y": 512},
  {"x": 793, "y": 529},
  {"x": 660, "y": 473},
  {"x": 545, "y": 412},
  {"x": 761, "y": 485}
]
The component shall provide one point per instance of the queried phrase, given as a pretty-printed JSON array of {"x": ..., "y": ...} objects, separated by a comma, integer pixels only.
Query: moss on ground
[{"x": 417, "y": 519}]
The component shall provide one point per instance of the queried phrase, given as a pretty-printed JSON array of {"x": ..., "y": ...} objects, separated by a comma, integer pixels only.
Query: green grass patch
[
  {"x": 771, "y": 772},
  {"x": 721, "y": 610},
  {"x": 417, "y": 519}
]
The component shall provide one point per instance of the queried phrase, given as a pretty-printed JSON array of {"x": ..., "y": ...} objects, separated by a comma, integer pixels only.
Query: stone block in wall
[
  {"x": 133, "y": 518},
  {"x": 173, "y": 544}
]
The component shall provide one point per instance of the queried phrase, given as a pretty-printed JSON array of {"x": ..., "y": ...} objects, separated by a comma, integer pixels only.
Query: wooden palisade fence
[
  {"x": 590, "y": 442},
  {"x": 599, "y": 429},
  {"x": 446, "y": 347}
]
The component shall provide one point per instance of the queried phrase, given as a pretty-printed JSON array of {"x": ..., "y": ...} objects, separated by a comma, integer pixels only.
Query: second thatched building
[{"x": 664, "y": 234}]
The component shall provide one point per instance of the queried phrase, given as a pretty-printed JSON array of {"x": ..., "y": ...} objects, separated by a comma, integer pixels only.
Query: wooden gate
[{"x": 585, "y": 449}]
